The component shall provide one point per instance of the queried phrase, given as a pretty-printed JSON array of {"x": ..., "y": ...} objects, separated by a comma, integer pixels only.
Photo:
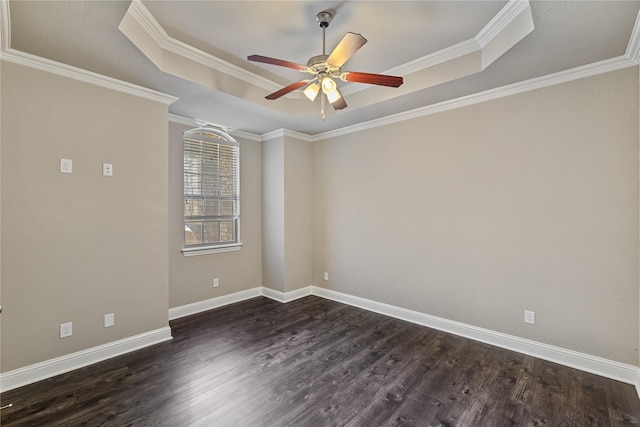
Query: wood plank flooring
[{"x": 315, "y": 362}]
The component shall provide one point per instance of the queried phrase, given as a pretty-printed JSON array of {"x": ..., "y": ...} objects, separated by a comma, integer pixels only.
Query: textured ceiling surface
[{"x": 566, "y": 35}]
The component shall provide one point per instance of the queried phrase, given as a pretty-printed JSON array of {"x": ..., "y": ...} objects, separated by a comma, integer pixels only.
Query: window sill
[{"x": 211, "y": 250}]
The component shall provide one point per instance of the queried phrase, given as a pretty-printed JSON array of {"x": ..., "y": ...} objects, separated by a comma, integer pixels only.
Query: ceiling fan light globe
[
  {"x": 311, "y": 91},
  {"x": 333, "y": 96},
  {"x": 328, "y": 85}
]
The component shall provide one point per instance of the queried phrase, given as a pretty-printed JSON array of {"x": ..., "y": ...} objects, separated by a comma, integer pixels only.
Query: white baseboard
[
  {"x": 50, "y": 368},
  {"x": 629, "y": 374},
  {"x": 200, "y": 306},
  {"x": 596, "y": 365},
  {"x": 286, "y": 296}
]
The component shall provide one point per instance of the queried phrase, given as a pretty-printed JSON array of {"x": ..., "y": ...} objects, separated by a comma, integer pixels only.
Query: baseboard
[
  {"x": 596, "y": 365},
  {"x": 50, "y": 368},
  {"x": 607, "y": 368},
  {"x": 286, "y": 296},
  {"x": 200, "y": 306}
]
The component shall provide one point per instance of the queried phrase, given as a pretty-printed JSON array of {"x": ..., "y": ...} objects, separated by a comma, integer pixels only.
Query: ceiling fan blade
[
  {"x": 372, "y": 79},
  {"x": 349, "y": 45},
  {"x": 274, "y": 61},
  {"x": 285, "y": 90},
  {"x": 340, "y": 103}
]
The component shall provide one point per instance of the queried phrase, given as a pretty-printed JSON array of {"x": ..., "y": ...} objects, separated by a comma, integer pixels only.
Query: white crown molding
[
  {"x": 495, "y": 28},
  {"x": 281, "y": 133},
  {"x": 509, "y": 13},
  {"x": 589, "y": 70},
  {"x": 50, "y": 368},
  {"x": 278, "y": 133},
  {"x": 5, "y": 26},
  {"x": 498, "y": 26},
  {"x": 245, "y": 135},
  {"x": 633, "y": 47},
  {"x": 297, "y": 135},
  {"x": 181, "y": 120},
  {"x": 146, "y": 20},
  {"x": 53, "y": 67},
  {"x": 447, "y": 54}
]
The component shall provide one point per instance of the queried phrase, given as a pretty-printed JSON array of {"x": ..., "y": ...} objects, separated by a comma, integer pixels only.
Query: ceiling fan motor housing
[
  {"x": 324, "y": 18},
  {"x": 318, "y": 64}
]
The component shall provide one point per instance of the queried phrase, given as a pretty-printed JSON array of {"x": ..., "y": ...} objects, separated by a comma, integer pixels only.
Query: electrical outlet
[
  {"x": 529, "y": 317},
  {"x": 107, "y": 169},
  {"x": 216, "y": 282},
  {"x": 66, "y": 329},
  {"x": 326, "y": 276},
  {"x": 66, "y": 165},
  {"x": 109, "y": 320}
]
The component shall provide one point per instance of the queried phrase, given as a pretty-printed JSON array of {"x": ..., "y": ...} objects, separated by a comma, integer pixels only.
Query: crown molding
[
  {"x": 633, "y": 48},
  {"x": 281, "y": 133},
  {"x": 152, "y": 27},
  {"x": 246, "y": 135},
  {"x": 5, "y": 25},
  {"x": 589, "y": 70},
  {"x": 515, "y": 14},
  {"x": 509, "y": 13},
  {"x": 297, "y": 135},
  {"x": 512, "y": 10},
  {"x": 181, "y": 120},
  {"x": 457, "y": 50},
  {"x": 53, "y": 67}
]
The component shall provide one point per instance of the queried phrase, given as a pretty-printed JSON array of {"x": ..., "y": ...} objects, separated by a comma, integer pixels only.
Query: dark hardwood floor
[{"x": 315, "y": 362}]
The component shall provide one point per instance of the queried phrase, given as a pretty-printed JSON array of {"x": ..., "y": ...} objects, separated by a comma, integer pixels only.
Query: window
[{"x": 211, "y": 191}]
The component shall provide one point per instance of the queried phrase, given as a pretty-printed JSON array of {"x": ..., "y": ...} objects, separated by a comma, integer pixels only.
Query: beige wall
[
  {"x": 474, "y": 215},
  {"x": 191, "y": 278},
  {"x": 273, "y": 273},
  {"x": 529, "y": 202},
  {"x": 298, "y": 214},
  {"x": 78, "y": 246},
  {"x": 287, "y": 214}
]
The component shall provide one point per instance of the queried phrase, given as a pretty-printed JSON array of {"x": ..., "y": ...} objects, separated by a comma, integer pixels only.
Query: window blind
[{"x": 211, "y": 188}]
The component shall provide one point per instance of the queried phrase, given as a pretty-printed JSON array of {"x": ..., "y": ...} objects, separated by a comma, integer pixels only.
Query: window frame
[{"x": 214, "y": 136}]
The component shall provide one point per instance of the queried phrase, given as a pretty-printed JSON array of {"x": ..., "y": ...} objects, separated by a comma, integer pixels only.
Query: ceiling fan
[{"x": 325, "y": 68}]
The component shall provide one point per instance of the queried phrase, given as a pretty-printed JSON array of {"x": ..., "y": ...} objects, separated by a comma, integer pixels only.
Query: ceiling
[{"x": 196, "y": 51}]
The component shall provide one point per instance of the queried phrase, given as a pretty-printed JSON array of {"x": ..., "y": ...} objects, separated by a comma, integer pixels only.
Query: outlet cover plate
[
  {"x": 109, "y": 320},
  {"x": 66, "y": 329},
  {"x": 529, "y": 317},
  {"x": 107, "y": 169},
  {"x": 66, "y": 166}
]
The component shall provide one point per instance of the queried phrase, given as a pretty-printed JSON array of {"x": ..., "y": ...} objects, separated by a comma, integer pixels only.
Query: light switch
[
  {"x": 66, "y": 165},
  {"x": 107, "y": 169}
]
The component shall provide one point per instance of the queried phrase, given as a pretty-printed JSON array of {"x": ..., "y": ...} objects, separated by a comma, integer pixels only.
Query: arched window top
[{"x": 210, "y": 134}]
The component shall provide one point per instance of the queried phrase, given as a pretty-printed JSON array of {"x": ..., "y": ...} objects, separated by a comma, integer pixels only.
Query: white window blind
[{"x": 211, "y": 189}]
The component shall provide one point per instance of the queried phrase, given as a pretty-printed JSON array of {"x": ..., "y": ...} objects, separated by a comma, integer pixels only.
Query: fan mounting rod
[{"x": 324, "y": 18}]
